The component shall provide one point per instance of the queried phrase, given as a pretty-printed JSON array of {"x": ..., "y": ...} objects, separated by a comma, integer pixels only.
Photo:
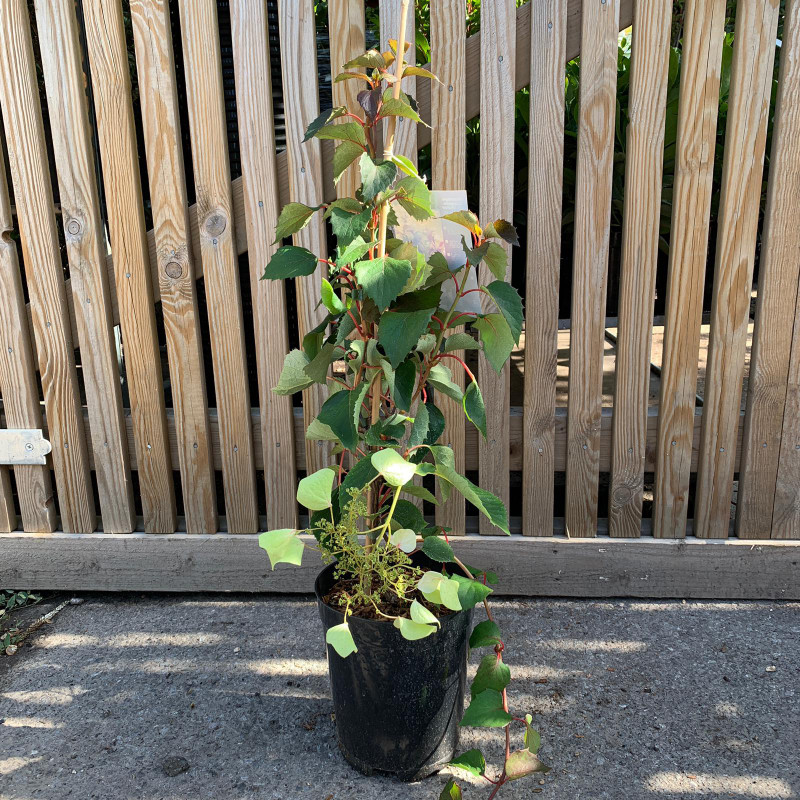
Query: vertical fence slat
[
  {"x": 545, "y": 179},
  {"x": 775, "y": 365},
  {"x": 33, "y": 197},
  {"x": 405, "y": 138},
  {"x": 159, "y": 102},
  {"x": 65, "y": 84},
  {"x": 704, "y": 23},
  {"x": 600, "y": 27},
  {"x": 203, "y": 67},
  {"x": 644, "y": 167},
  {"x": 448, "y": 160},
  {"x": 301, "y": 106},
  {"x": 742, "y": 171},
  {"x": 257, "y": 148},
  {"x": 498, "y": 45},
  {"x": 111, "y": 85},
  {"x": 8, "y": 514},
  {"x": 346, "y": 26},
  {"x": 779, "y": 273},
  {"x": 18, "y": 385}
]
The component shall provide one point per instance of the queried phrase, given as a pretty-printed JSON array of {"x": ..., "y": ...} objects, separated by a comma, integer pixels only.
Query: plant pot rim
[{"x": 445, "y": 620}]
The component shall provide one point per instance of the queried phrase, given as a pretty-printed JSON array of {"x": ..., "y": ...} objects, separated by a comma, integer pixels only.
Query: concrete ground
[{"x": 194, "y": 697}]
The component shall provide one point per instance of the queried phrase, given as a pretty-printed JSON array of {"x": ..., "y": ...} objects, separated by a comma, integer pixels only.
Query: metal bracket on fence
[{"x": 23, "y": 446}]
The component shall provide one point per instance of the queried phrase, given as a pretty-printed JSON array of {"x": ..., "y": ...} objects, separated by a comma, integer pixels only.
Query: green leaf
[
  {"x": 510, "y": 304},
  {"x": 337, "y": 414},
  {"x": 405, "y": 165},
  {"x": 314, "y": 491},
  {"x": 407, "y": 515},
  {"x": 438, "y": 550},
  {"x": 357, "y": 249},
  {"x": 375, "y": 177},
  {"x": 294, "y": 217},
  {"x": 319, "y": 431},
  {"x": 357, "y": 478},
  {"x": 421, "y": 492},
  {"x": 341, "y": 640},
  {"x": 441, "y": 379},
  {"x": 318, "y": 369},
  {"x": 405, "y": 379},
  {"x": 282, "y": 546},
  {"x": 426, "y": 343},
  {"x": 329, "y": 115},
  {"x": 421, "y": 614},
  {"x": 475, "y": 255},
  {"x": 430, "y": 297},
  {"x": 438, "y": 588},
  {"x": 344, "y": 132},
  {"x": 436, "y": 423},
  {"x": 503, "y": 230},
  {"x": 347, "y": 226},
  {"x": 496, "y": 259},
  {"x": 472, "y": 761},
  {"x": 404, "y": 539},
  {"x": 497, "y": 338},
  {"x": 344, "y": 155},
  {"x": 484, "y": 501},
  {"x": 522, "y": 763},
  {"x": 474, "y": 407},
  {"x": 492, "y": 674},
  {"x": 330, "y": 299},
  {"x": 420, "y": 72},
  {"x": 293, "y": 376},
  {"x": 485, "y": 634},
  {"x": 460, "y": 341},
  {"x": 486, "y": 711},
  {"x": 481, "y": 574},
  {"x": 533, "y": 741},
  {"x": 396, "y": 107},
  {"x": 466, "y": 219},
  {"x": 413, "y": 630},
  {"x": 399, "y": 333},
  {"x": 419, "y": 428},
  {"x": 471, "y": 592},
  {"x": 395, "y": 470},
  {"x": 383, "y": 279},
  {"x": 372, "y": 59},
  {"x": 290, "y": 262},
  {"x": 415, "y": 197},
  {"x": 312, "y": 341},
  {"x": 451, "y": 791}
]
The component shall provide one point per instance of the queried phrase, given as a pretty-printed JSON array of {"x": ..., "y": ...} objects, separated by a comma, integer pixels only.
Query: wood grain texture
[
  {"x": 601, "y": 567},
  {"x": 296, "y": 19},
  {"x": 515, "y": 453},
  {"x": 760, "y": 512},
  {"x": 498, "y": 48},
  {"x": 84, "y": 235},
  {"x": 545, "y": 181},
  {"x": 346, "y": 26},
  {"x": 205, "y": 101},
  {"x": 644, "y": 166},
  {"x": 257, "y": 150},
  {"x": 18, "y": 386},
  {"x": 448, "y": 161},
  {"x": 742, "y": 172},
  {"x": 116, "y": 132},
  {"x": 33, "y": 196},
  {"x": 694, "y": 167},
  {"x": 472, "y": 109},
  {"x": 175, "y": 266},
  {"x": 590, "y": 271},
  {"x": 406, "y": 134}
]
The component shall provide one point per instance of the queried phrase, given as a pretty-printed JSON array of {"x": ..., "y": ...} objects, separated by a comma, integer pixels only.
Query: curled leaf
[
  {"x": 421, "y": 614},
  {"x": 405, "y": 539},
  {"x": 521, "y": 763},
  {"x": 411, "y": 630},
  {"x": 341, "y": 640},
  {"x": 282, "y": 546}
]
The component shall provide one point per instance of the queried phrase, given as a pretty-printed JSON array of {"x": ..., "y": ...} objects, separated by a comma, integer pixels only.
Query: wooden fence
[{"x": 160, "y": 480}]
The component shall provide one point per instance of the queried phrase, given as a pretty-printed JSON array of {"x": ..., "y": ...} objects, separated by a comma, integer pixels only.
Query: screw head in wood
[
  {"x": 74, "y": 227},
  {"x": 174, "y": 269}
]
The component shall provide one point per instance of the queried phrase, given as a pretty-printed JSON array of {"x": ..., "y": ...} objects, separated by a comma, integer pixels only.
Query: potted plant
[{"x": 385, "y": 350}]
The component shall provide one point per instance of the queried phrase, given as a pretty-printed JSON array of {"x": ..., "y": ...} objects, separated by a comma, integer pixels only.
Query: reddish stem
[{"x": 466, "y": 368}]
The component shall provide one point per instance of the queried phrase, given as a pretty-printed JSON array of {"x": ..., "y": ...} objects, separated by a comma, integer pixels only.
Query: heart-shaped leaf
[
  {"x": 421, "y": 614},
  {"x": 522, "y": 763},
  {"x": 438, "y": 550},
  {"x": 395, "y": 470},
  {"x": 472, "y": 761},
  {"x": 282, "y": 546},
  {"x": 314, "y": 491},
  {"x": 405, "y": 539},
  {"x": 341, "y": 640},
  {"x": 290, "y": 262},
  {"x": 492, "y": 674},
  {"x": 413, "y": 630},
  {"x": 485, "y": 634},
  {"x": 486, "y": 711},
  {"x": 294, "y": 217}
]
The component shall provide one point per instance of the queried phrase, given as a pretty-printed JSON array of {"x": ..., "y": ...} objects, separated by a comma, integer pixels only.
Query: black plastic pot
[{"x": 398, "y": 703}]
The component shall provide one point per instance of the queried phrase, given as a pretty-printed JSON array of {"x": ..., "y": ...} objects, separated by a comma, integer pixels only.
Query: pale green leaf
[
  {"x": 413, "y": 630},
  {"x": 421, "y": 614},
  {"x": 293, "y": 376},
  {"x": 395, "y": 470},
  {"x": 341, "y": 640},
  {"x": 314, "y": 491},
  {"x": 404, "y": 539},
  {"x": 282, "y": 546}
]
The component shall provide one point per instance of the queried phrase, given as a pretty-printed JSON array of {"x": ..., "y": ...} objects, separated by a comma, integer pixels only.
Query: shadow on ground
[{"x": 188, "y": 698}]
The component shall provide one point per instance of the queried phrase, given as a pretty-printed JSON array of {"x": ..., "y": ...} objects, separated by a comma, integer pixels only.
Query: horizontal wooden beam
[
  {"x": 530, "y": 566},
  {"x": 471, "y": 455},
  {"x": 471, "y": 88}
]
